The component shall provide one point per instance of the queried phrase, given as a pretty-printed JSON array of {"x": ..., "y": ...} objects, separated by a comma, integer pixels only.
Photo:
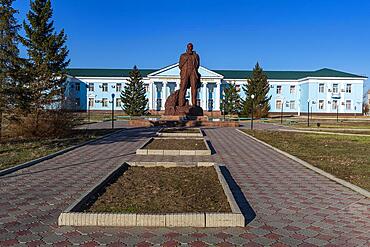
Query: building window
[
  {"x": 292, "y": 104},
  {"x": 349, "y": 88},
  {"x": 321, "y": 87},
  {"x": 104, "y": 102},
  {"x": 335, "y": 88},
  {"x": 91, "y": 102},
  {"x": 146, "y": 87},
  {"x": 91, "y": 86},
  {"x": 118, "y": 102},
  {"x": 237, "y": 87},
  {"x": 279, "y": 104},
  {"x": 321, "y": 105},
  {"x": 334, "y": 105},
  {"x": 78, "y": 86},
  {"x": 292, "y": 89},
  {"x": 348, "y": 104},
  {"x": 278, "y": 89},
  {"x": 105, "y": 87},
  {"x": 118, "y": 87}
]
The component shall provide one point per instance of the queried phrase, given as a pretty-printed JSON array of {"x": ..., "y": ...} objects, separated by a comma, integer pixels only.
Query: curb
[
  {"x": 50, "y": 156},
  {"x": 313, "y": 168},
  {"x": 179, "y": 134},
  {"x": 74, "y": 215},
  {"x": 322, "y": 132},
  {"x": 144, "y": 151}
]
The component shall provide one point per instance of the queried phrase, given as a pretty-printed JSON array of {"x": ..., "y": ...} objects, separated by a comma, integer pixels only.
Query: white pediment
[{"x": 173, "y": 71}]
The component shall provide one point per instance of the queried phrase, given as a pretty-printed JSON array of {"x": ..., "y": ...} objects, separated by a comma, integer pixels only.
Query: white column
[
  {"x": 298, "y": 99},
  {"x": 218, "y": 96},
  {"x": 164, "y": 94},
  {"x": 204, "y": 96},
  {"x": 150, "y": 93}
]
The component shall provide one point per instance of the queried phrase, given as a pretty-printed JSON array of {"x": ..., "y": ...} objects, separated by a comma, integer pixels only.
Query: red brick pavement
[{"x": 288, "y": 204}]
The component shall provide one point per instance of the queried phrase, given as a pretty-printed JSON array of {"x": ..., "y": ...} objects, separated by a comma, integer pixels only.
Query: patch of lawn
[
  {"x": 346, "y": 157},
  {"x": 17, "y": 151},
  {"x": 163, "y": 190},
  {"x": 327, "y": 124}
]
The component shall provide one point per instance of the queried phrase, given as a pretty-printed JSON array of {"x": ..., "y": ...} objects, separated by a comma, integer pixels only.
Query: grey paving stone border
[
  {"x": 73, "y": 217},
  {"x": 53, "y": 155},
  {"x": 165, "y": 134},
  {"x": 170, "y": 164},
  {"x": 144, "y": 151},
  {"x": 313, "y": 168}
]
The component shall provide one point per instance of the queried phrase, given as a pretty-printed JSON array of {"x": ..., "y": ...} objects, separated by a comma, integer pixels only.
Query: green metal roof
[
  {"x": 228, "y": 74},
  {"x": 286, "y": 75},
  {"x": 105, "y": 72}
]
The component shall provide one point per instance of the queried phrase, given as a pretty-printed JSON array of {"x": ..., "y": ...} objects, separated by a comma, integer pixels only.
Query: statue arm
[
  {"x": 182, "y": 61},
  {"x": 198, "y": 60}
]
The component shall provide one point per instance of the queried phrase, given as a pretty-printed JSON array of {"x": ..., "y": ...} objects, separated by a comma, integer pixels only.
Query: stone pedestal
[{"x": 173, "y": 109}]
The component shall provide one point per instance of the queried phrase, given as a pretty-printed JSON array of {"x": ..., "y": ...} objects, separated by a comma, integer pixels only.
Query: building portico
[{"x": 167, "y": 80}]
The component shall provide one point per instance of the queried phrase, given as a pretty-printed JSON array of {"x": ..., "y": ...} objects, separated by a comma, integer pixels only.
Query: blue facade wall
[{"x": 294, "y": 101}]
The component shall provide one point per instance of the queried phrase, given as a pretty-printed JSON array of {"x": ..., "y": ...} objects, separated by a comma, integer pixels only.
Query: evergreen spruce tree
[
  {"x": 47, "y": 56},
  {"x": 9, "y": 56},
  {"x": 230, "y": 103},
  {"x": 259, "y": 87},
  {"x": 134, "y": 102}
]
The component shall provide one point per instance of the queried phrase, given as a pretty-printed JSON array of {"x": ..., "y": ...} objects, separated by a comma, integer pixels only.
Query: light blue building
[{"x": 323, "y": 91}]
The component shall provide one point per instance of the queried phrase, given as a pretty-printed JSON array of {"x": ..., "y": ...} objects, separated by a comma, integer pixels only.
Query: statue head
[{"x": 189, "y": 48}]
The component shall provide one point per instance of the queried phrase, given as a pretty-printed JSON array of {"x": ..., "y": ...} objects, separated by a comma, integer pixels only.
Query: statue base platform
[
  {"x": 183, "y": 118},
  {"x": 185, "y": 110}
]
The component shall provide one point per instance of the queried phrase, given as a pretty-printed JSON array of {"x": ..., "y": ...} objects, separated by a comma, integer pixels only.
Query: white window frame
[
  {"x": 104, "y": 87},
  {"x": 120, "y": 102},
  {"x": 91, "y": 102},
  {"x": 348, "y": 88},
  {"x": 334, "y": 104},
  {"x": 118, "y": 87},
  {"x": 336, "y": 89},
  {"x": 292, "y": 103},
  {"x": 350, "y": 104},
  {"x": 292, "y": 89},
  {"x": 321, "y": 87},
  {"x": 280, "y": 103},
  {"x": 321, "y": 104},
  {"x": 279, "y": 89},
  {"x": 91, "y": 86},
  {"x": 104, "y": 102}
]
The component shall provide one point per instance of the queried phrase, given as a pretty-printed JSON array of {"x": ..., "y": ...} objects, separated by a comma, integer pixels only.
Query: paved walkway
[{"x": 286, "y": 203}]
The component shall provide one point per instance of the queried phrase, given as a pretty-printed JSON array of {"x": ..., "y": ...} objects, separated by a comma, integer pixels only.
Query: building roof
[
  {"x": 105, "y": 72},
  {"x": 228, "y": 74}
]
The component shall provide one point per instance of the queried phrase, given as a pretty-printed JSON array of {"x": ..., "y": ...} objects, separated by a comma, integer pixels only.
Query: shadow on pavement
[{"x": 240, "y": 199}]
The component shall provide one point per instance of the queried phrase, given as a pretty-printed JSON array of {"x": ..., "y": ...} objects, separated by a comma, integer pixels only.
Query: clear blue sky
[{"x": 233, "y": 34}]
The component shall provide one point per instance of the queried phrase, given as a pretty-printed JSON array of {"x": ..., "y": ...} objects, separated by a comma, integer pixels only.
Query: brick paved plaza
[{"x": 286, "y": 204}]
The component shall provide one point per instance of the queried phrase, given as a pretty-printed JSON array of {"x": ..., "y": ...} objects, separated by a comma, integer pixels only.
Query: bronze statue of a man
[{"x": 190, "y": 78}]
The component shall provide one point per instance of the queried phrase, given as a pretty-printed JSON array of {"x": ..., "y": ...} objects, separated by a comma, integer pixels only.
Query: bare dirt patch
[
  {"x": 163, "y": 190},
  {"x": 176, "y": 144},
  {"x": 181, "y": 130}
]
